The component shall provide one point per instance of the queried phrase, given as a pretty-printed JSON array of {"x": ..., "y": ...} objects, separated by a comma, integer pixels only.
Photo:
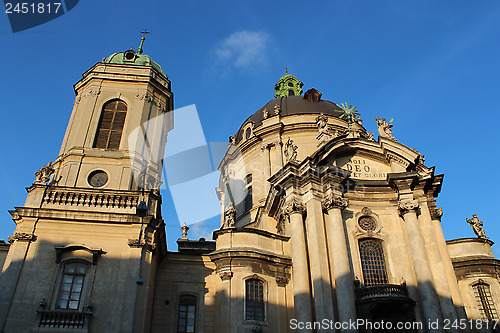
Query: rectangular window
[
  {"x": 373, "y": 262},
  {"x": 485, "y": 301},
  {"x": 187, "y": 314},
  {"x": 254, "y": 300},
  {"x": 70, "y": 291}
]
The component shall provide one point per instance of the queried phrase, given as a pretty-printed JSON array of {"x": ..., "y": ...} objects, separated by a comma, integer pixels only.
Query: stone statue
[
  {"x": 232, "y": 139},
  {"x": 322, "y": 122},
  {"x": 477, "y": 226},
  {"x": 265, "y": 113},
  {"x": 43, "y": 175},
  {"x": 229, "y": 216},
  {"x": 290, "y": 150},
  {"x": 277, "y": 109},
  {"x": 384, "y": 129}
]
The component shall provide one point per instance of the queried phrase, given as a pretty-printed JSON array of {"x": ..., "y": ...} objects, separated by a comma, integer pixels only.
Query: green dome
[{"x": 131, "y": 57}]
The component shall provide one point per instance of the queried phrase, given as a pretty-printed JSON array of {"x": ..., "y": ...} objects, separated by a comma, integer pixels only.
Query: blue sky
[{"x": 432, "y": 65}]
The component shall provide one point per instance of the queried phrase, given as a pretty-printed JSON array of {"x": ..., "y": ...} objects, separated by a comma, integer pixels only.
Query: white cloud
[{"x": 243, "y": 50}]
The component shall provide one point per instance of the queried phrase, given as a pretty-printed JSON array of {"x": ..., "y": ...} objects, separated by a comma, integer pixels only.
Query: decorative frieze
[
  {"x": 294, "y": 206},
  {"x": 22, "y": 237},
  {"x": 406, "y": 205},
  {"x": 436, "y": 213},
  {"x": 334, "y": 201},
  {"x": 392, "y": 157}
]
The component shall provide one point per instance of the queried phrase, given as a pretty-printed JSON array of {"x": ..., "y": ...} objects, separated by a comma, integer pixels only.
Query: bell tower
[
  {"x": 91, "y": 229},
  {"x": 119, "y": 124}
]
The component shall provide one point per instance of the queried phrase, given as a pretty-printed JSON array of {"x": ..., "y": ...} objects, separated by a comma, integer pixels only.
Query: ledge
[
  {"x": 383, "y": 292},
  {"x": 470, "y": 240},
  {"x": 264, "y": 233}
]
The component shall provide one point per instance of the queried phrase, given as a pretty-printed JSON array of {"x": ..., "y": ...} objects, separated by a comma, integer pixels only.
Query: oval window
[{"x": 98, "y": 178}]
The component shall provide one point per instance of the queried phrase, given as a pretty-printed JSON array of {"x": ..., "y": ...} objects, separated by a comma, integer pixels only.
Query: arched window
[
  {"x": 372, "y": 262},
  {"x": 485, "y": 301},
  {"x": 109, "y": 131},
  {"x": 248, "y": 198},
  {"x": 254, "y": 300},
  {"x": 71, "y": 286},
  {"x": 248, "y": 133},
  {"x": 291, "y": 92},
  {"x": 187, "y": 314}
]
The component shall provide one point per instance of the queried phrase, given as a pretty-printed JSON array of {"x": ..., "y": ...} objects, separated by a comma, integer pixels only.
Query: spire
[
  {"x": 288, "y": 85},
  {"x": 143, "y": 38}
]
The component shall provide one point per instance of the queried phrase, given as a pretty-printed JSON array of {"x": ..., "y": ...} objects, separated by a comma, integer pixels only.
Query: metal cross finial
[
  {"x": 144, "y": 33},
  {"x": 286, "y": 69}
]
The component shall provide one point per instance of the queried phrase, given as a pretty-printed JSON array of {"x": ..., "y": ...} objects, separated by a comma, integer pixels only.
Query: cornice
[
  {"x": 75, "y": 215},
  {"x": 260, "y": 232},
  {"x": 250, "y": 252}
]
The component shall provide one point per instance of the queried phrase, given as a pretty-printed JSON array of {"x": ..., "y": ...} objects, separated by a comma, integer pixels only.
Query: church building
[{"x": 322, "y": 224}]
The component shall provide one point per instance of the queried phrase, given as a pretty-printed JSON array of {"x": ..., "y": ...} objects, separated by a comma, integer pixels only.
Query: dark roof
[{"x": 291, "y": 105}]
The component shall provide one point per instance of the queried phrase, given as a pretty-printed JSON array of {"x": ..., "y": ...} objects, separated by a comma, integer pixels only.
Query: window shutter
[{"x": 109, "y": 131}]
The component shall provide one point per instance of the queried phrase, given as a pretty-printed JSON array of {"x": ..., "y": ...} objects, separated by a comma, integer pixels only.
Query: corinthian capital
[
  {"x": 406, "y": 205},
  {"x": 334, "y": 201},
  {"x": 294, "y": 206},
  {"x": 436, "y": 213}
]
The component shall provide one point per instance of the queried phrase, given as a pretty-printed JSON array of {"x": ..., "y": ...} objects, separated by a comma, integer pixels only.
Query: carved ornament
[
  {"x": 384, "y": 129},
  {"x": 366, "y": 211},
  {"x": 43, "y": 175},
  {"x": 226, "y": 275},
  {"x": 135, "y": 242},
  {"x": 406, "y": 205},
  {"x": 22, "y": 237},
  {"x": 436, "y": 213},
  {"x": 294, "y": 206},
  {"x": 281, "y": 281},
  {"x": 334, "y": 201}
]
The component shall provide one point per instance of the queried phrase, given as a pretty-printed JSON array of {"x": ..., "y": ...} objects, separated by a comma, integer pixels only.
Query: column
[
  {"x": 441, "y": 282},
  {"x": 225, "y": 303},
  {"x": 436, "y": 214},
  {"x": 300, "y": 271},
  {"x": 319, "y": 268},
  {"x": 266, "y": 167},
  {"x": 339, "y": 258},
  {"x": 428, "y": 296}
]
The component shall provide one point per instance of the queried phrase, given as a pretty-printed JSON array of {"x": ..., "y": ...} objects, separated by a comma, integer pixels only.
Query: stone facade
[{"x": 319, "y": 221}]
